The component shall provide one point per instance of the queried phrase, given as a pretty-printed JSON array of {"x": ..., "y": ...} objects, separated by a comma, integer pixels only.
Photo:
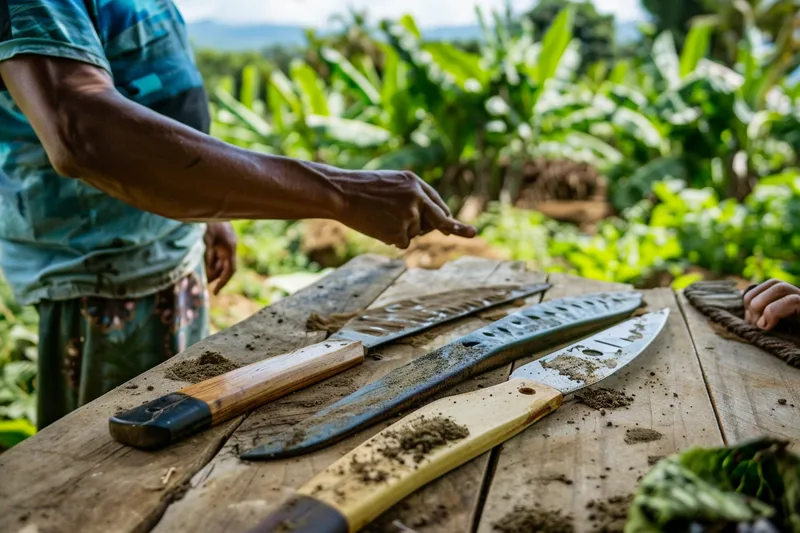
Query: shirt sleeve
[{"x": 55, "y": 28}]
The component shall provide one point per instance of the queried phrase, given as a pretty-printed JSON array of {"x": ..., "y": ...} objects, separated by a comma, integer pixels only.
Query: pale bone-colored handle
[
  {"x": 250, "y": 386},
  {"x": 492, "y": 416}
]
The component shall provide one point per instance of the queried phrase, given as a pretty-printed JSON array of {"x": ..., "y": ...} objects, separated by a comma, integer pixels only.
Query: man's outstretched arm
[{"x": 93, "y": 133}]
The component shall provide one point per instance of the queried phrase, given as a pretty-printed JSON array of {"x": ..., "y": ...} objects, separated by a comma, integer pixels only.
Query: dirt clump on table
[
  {"x": 574, "y": 368},
  {"x": 207, "y": 366},
  {"x": 602, "y": 398},
  {"x": 609, "y": 516},
  {"x": 528, "y": 519},
  {"x": 329, "y": 323},
  {"x": 636, "y": 435}
]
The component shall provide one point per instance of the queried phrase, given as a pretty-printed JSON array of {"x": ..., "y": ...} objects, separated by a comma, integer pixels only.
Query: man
[
  {"x": 109, "y": 173},
  {"x": 767, "y": 304}
]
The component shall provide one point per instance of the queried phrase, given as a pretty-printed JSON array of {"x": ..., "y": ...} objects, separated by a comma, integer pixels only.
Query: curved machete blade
[{"x": 520, "y": 333}]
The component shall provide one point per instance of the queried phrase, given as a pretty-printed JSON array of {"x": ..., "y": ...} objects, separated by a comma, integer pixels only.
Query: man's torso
[{"x": 60, "y": 237}]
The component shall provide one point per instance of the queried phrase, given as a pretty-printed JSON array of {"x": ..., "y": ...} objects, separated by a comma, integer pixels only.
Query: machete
[
  {"x": 525, "y": 331},
  {"x": 197, "y": 407},
  {"x": 373, "y": 477}
]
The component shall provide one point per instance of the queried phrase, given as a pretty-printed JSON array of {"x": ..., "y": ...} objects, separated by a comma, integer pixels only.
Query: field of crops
[{"x": 698, "y": 158}]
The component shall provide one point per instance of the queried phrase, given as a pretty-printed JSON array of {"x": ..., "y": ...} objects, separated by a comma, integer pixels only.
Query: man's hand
[
  {"x": 394, "y": 206},
  {"x": 769, "y": 303},
  {"x": 220, "y": 242}
]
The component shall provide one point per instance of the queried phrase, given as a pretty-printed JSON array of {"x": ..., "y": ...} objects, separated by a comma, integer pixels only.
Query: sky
[{"x": 317, "y": 13}]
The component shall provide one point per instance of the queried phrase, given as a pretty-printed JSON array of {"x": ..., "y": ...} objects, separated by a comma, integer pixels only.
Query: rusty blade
[
  {"x": 383, "y": 325},
  {"x": 591, "y": 360}
]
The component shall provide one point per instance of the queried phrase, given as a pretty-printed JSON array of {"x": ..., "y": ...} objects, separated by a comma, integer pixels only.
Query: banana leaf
[
  {"x": 696, "y": 47},
  {"x": 665, "y": 56},
  {"x": 351, "y": 75},
  {"x": 282, "y": 93},
  {"x": 555, "y": 44},
  {"x": 410, "y": 157},
  {"x": 251, "y": 85},
  {"x": 311, "y": 88},
  {"x": 243, "y": 113},
  {"x": 351, "y": 132}
]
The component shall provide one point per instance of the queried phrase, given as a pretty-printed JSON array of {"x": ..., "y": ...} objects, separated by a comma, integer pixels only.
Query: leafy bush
[{"x": 18, "y": 341}]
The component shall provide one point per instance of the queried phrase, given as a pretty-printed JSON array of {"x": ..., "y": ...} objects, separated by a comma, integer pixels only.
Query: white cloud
[{"x": 428, "y": 13}]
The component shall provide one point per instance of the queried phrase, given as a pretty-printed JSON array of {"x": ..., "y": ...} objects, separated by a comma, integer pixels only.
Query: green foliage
[
  {"x": 595, "y": 31},
  {"x": 718, "y": 487},
  {"x": 18, "y": 343}
]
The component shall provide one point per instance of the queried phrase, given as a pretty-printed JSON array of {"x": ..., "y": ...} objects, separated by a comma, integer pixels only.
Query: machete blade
[
  {"x": 591, "y": 360},
  {"x": 376, "y": 327},
  {"x": 519, "y": 334}
]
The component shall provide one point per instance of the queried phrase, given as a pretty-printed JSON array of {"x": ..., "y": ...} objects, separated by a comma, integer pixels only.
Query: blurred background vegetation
[{"x": 655, "y": 161}]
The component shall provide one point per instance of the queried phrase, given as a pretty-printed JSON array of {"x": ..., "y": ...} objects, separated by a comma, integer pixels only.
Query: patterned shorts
[{"x": 88, "y": 346}]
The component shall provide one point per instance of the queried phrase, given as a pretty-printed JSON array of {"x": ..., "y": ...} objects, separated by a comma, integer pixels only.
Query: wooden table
[{"x": 693, "y": 386}]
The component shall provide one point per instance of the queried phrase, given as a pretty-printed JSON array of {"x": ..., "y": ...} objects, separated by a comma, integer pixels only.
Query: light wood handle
[
  {"x": 366, "y": 482},
  {"x": 202, "y": 405}
]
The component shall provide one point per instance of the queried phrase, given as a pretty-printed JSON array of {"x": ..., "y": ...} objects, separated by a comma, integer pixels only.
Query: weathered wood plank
[
  {"x": 73, "y": 477},
  {"x": 746, "y": 384},
  {"x": 573, "y": 457},
  {"x": 231, "y": 495}
]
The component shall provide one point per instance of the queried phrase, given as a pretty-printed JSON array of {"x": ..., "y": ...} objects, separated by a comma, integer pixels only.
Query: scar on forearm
[{"x": 196, "y": 161}]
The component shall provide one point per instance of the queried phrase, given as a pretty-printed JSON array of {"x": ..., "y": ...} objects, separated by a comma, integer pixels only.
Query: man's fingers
[
  {"x": 778, "y": 310},
  {"x": 414, "y": 225},
  {"x": 751, "y": 294},
  {"x": 434, "y": 196},
  {"x": 447, "y": 224},
  {"x": 772, "y": 294}
]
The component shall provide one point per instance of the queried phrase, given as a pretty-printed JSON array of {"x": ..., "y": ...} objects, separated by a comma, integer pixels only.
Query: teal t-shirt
[{"x": 61, "y": 238}]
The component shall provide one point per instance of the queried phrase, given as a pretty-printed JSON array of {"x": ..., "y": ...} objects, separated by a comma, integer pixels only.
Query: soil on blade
[
  {"x": 207, "y": 366},
  {"x": 394, "y": 451},
  {"x": 574, "y": 368}
]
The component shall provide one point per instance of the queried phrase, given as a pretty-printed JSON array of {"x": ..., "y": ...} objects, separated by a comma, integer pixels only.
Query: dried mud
[
  {"x": 609, "y": 516},
  {"x": 637, "y": 435},
  {"x": 529, "y": 519},
  {"x": 602, "y": 398},
  {"x": 207, "y": 366}
]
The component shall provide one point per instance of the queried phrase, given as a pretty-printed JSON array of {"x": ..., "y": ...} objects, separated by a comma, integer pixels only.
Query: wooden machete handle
[
  {"x": 197, "y": 407},
  {"x": 360, "y": 486}
]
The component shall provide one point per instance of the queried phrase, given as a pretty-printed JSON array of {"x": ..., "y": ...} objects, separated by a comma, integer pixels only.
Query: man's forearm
[
  {"x": 130, "y": 152},
  {"x": 159, "y": 165},
  {"x": 91, "y": 132}
]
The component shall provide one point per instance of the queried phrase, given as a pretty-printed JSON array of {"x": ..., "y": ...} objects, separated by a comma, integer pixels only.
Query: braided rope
[{"x": 719, "y": 300}]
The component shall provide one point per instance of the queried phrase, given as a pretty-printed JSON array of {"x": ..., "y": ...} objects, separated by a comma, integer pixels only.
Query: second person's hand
[{"x": 767, "y": 304}]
